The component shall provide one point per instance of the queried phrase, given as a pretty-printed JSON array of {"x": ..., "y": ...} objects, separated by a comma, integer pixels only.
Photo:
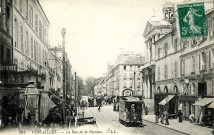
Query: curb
[{"x": 167, "y": 127}]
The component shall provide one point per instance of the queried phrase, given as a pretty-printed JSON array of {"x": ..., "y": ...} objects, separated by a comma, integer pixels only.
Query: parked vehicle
[
  {"x": 130, "y": 112},
  {"x": 87, "y": 120}
]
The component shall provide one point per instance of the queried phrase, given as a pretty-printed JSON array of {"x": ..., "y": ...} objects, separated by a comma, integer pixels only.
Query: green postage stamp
[{"x": 191, "y": 18}]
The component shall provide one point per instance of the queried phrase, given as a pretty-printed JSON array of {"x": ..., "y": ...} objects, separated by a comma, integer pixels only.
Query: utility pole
[
  {"x": 75, "y": 91},
  {"x": 63, "y": 68},
  {"x": 134, "y": 84}
]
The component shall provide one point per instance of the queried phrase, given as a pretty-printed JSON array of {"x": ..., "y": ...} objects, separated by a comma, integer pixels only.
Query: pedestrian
[
  {"x": 146, "y": 110},
  {"x": 166, "y": 118},
  {"x": 180, "y": 114},
  {"x": 157, "y": 114},
  {"x": 76, "y": 120},
  {"x": 99, "y": 107},
  {"x": 162, "y": 118},
  {"x": 192, "y": 118}
]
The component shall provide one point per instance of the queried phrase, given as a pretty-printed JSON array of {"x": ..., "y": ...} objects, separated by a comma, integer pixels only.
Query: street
[{"x": 108, "y": 122}]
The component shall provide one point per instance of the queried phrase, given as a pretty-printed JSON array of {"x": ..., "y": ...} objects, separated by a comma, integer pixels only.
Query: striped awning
[
  {"x": 166, "y": 99},
  {"x": 204, "y": 101}
]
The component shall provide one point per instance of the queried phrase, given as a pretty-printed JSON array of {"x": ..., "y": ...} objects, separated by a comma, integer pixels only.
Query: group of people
[{"x": 164, "y": 117}]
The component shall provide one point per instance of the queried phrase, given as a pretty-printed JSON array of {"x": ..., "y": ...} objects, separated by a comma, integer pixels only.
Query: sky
[{"x": 97, "y": 31}]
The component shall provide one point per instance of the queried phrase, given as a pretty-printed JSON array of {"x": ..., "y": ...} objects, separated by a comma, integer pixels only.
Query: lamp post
[
  {"x": 63, "y": 68},
  {"x": 166, "y": 111},
  {"x": 32, "y": 98},
  {"x": 75, "y": 92}
]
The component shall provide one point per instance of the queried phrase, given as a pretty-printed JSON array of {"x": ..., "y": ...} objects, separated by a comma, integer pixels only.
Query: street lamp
[
  {"x": 166, "y": 110},
  {"x": 32, "y": 99},
  {"x": 63, "y": 58}
]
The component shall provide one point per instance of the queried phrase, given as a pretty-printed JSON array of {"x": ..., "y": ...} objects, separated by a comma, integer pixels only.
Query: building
[
  {"x": 124, "y": 79},
  {"x": 154, "y": 30},
  {"x": 197, "y": 72},
  {"x": 6, "y": 50},
  {"x": 57, "y": 52},
  {"x": 183, "y": 68}
]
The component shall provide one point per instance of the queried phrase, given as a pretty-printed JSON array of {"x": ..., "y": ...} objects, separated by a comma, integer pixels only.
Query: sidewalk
[{"x": 184, "y": 127}]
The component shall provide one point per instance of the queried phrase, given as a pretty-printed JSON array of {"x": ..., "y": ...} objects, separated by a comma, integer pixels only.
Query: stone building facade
[
  {"x": 183, "y": 67},
  {"x": 125, "y": 79}
]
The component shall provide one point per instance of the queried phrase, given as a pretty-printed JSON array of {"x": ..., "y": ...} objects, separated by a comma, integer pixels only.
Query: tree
[{"x": 90, "y": 83}]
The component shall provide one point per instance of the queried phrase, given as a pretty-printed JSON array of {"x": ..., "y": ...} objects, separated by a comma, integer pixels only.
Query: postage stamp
[{"x": 192, "y": 21}]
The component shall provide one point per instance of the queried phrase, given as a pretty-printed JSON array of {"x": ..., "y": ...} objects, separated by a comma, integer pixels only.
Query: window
[
  {"x": 35, "y": 51},
  {"x": 32, "y": 48},
  {"x": 39, "y": 54},
  {"x": 199, "y": 61},
  {"x": 158, "y": 73},
  {"x": 124, "y": 67},
  {"x": 193, "y": 63},
  {"x": 36, "y": 23},
  {"x": 8, "y": 56},
  {"x": 26, "y": 9},
  {"x": 176, "y": 69},
  {"x": 27, "y": 44},
  {"x": 159, "y": 51},
  {"x": 16, "y": 34},
  {"x": 165, "y": 49},
  {"x": 125, "y": 76},
  {"x": 138, "y": 68},
  {"x": 130, "y": 84},
  {"x": 138, "y": 85},
  {"x": 176, "y": 45},
  {"x": 43, "y": 55},
  {"x": 166, "y": 72},
  {"x": 21, "y": 38},
  {"x": 124, "y": 85},
  {"x": 130, "y": 68},
  {"x": 204, "y": 61},
  {"x": 7, "y": 14},
  {"x": 31, "y": 17},
  {"x": 131, "y": 76},
  {"x": 15, "y": 62},
  {"x": 2, "y": 54},
  {"x": 210, "y": 59},
  {"x": 15, "y": 2},
  {"x": 182, "y": 67},
  {"x": 40, "y": 29},
  {"x": 20, "y": 6}
]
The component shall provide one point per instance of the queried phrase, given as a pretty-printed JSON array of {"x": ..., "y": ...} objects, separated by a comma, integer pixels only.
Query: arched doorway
[
  {"x": 175, "y": 89},
  {"x": 127, "y": 92},
  {"x": 166, "y": 89},
  {"x": 158, "y": 89}
]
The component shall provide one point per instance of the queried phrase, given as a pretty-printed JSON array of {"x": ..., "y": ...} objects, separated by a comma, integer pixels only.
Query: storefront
[
  {"x": 168, "y": 103},
  {"x": 205, "y": 108},
  {"x": 185, "y": 104}
]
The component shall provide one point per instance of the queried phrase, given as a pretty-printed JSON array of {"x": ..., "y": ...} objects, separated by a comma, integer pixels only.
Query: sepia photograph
[{"x": 106, "y": 67}]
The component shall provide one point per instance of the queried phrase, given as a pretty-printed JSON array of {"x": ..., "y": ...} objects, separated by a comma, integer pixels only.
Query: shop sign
[
  {"x": 209, "y": 88},
  {"x": 12, "y": 79},
  {"x": 191, "y": 17},
  {"x": 8, "y": 68}
]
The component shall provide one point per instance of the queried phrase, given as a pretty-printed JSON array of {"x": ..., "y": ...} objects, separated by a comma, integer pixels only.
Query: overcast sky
[{"x": 99, "y": 30}]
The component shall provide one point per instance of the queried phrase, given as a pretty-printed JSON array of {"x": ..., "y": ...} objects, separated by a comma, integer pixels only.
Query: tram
[{"x": 130, "y": 112}]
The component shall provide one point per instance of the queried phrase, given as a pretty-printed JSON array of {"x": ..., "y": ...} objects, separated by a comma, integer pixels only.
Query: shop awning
[
  {"x": 46, "y": 105},
  {"x": 166, "y": 99},
  {"x": 211, "y": 105},
  {"x": 204, "y": 101}
]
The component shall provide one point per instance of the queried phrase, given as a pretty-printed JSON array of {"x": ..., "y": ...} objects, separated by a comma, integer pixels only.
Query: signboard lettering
[
  {"x": 8, "y": 68},
  {"x": 12, "y": 79}
]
